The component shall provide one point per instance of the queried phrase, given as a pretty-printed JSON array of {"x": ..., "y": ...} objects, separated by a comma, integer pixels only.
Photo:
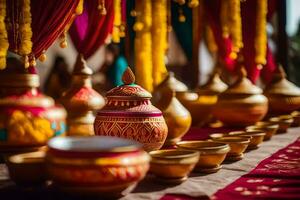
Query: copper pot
[
  {"x": 283, "y": 95},
  {"x": 128, "y": 113},
  {"x": 242, "y": 104}
]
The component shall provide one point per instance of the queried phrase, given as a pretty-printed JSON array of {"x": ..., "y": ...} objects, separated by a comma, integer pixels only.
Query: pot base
[{"x": 234, "y": 157}]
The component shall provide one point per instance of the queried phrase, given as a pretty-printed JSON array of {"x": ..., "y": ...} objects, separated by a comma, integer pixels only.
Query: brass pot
[
  {"x": 283, "y": 95},
  {"x": 242, "y": 104},
  {"x": 177, "y": 117},
  {"x": 269, "y": 128},
  {"x": 284, "y": 122},
  {"x": 81, "y": 100},
  {"x": 256, "y": 137},
  {"x": 128, "y": 113}
]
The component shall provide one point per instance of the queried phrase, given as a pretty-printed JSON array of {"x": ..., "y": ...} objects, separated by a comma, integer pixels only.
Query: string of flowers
[
  {"x": 143, "y": 44},
  {"x": 117, "y": 21},
  {"x": 261, "y": 32},
  {"x": 235, "y": 24},
  {"x": 26, "y": 32},
  {"x": 210, "y": 41},
  {"x": 159, "y": 40},
  {"x": 3, "y": 35},
  {"x": 224, "y": 18},
  {"x": 79, "y": 8}
]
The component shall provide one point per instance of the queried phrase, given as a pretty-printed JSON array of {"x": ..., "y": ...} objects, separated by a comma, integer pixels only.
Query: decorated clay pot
[
  {"x": 27, "y": 117},
  {"x": 242, "y": 104},
  {"x": 283, "y": 95},
  {"x": 128, "y": 113},
  {"x": 177, "y": 117},
  {"x": 96, "y": 165},
  {"x": 81, "y": 100}
]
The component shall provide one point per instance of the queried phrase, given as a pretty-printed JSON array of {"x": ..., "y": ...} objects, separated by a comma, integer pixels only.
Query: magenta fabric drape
[
  {"x": 90, "y": 29},
  {"x": 49, "y": 20}
]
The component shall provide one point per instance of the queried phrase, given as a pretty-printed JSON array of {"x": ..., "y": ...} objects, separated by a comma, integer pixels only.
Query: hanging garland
[
  {"x": 261, "y": 32},
  {"x": 210, "y": 41},
  {"x": 235, "y": 22},
  {"x": 159, "y": 42},
  {"x": 117, "y": 21},
  {"x": 3, "y": 35},
  {"x": 143, "y": 43},
  {"x": 26, "y": 32}
]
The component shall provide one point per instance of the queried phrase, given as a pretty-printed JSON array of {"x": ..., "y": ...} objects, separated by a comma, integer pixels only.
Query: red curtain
[
  {"x": 49, "y": 19},
  {"x": 89, "y": 30}
]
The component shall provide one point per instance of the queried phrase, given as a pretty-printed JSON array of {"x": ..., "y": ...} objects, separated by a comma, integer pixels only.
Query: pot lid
[
  {"x": 31, "y": 98},
  {"x": 128, "y": 89},
  {"x": 280, "y": 85},
  {"x": 243, "y": 85},
  {"x": 214, "y": 85},
  {"x": 174, "y": 84}
]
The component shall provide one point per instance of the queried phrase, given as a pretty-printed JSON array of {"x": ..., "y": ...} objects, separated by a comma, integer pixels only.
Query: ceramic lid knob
[{"x": 128, "y": 77}]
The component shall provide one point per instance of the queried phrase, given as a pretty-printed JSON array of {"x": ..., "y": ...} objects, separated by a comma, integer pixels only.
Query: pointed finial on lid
[
  {"x": 243, "y": 72},
  {"x": 128, "y": 77},
  {"x": 280, "y": 71},
  {"x": 81, "y": 67}
]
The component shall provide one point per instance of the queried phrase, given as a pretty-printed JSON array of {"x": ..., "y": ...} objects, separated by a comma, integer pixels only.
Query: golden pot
[
  {"x": 269, "y": 128},
  {"x": 212, "y": 154},
  {"x": 173, "y": 165},
  {"x": 242, "y": 104},
  {"x": 128, "y": 113},
  {"x": 28, "y": 118},
  {"x": 177, "y": 117},
  {"x": 256, "y": 137},
  {"x": 237, "y": 145},
  {"x": 283, "y": 95},
  {"x": 96, "y": 165},
  {"x": 284, "y": 122},
  {"x": 80, "y": 108},
  {"x": 27, "y": 168}
]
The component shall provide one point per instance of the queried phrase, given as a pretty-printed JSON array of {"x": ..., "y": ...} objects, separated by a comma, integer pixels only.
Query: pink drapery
[
  {"x": 49, "y": 20},
  {"x": 90, "y": 29},
  {"x": 248, "y": 10}
]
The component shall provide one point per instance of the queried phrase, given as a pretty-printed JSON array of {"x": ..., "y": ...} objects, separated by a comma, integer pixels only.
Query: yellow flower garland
[
  {"x": 3, "y": 35},
  {"x": 210, "y": 40},
  {"x": 142, "y": 44},
  {"x": 79, "y": 8},
  {"x": 159, "y": 40},
  {"x": 117, "y": 21},
  {"x": 224, "y": 18},
  {"x": 261, "y": 32},
  {"x": 235, "y": 24},
  {"x": 25, "y": 30}
]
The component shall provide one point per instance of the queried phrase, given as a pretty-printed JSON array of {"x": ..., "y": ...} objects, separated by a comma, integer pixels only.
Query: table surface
[{"x": 197, "y": 185}]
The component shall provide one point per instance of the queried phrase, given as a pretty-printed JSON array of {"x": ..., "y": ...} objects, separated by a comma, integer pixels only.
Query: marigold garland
[
  {"x": 224, "y": 18},
  {"x": 235, "y": 24},
  {"x": 210, "y": 40},
  {"x": 3, "y": 35},
  {"x": 117, "y": 21},
  {"x": 142, "y": 44},
  {"x": 261, "y": 32},
  {"x": 25, "y": 30},
  {"x": 79, "y": 8},
  {"x": 159, "y": 42}
]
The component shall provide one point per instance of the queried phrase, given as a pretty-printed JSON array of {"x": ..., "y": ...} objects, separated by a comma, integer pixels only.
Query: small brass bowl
[
  {"x": 237, "y": 145},
  {"x": 256, "y": 137},
  {"x": 296, "y": 117},
  {"x": 284, "y": 122},
  {"x": 268, "y": 127},
  {"x": 212, "y": 154},
  {"x": 27, "y": 168},
  {"x": 173, "y": 165}
]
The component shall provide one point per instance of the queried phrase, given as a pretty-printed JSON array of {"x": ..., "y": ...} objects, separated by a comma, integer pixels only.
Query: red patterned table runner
[{"x": 277, "y": 177}]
